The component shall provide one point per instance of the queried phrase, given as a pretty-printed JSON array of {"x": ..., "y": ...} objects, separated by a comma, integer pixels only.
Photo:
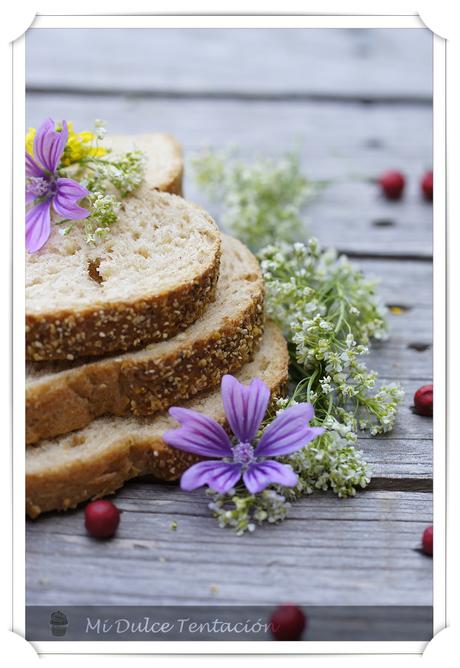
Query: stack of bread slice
[{"x": 152, "y": 316}]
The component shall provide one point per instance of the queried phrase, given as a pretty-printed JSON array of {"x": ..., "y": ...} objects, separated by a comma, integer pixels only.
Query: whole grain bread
[
  {"x": 62, "y": 396},
  {"x": 152, "y": 276},
  {"x": 97, "y": 460}
]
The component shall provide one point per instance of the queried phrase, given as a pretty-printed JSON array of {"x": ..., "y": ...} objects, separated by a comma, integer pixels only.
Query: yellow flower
[
  {"x": 80, "y": 145},
  {"x": 30, "y": 136}
]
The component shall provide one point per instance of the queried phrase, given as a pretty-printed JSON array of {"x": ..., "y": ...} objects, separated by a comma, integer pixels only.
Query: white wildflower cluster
[
  {"x": 109, "y": 180},
  {"x": 330, "y": 312},
  {"x": 108, "y": 177},
  {"x": 125, "y": 172},
  {"x": 320, "y": 296},
  {"x": 104, "y": 212},
  {"x": 284, "y": 402},
  {"x": 382, "y": 409},
  {"x": 329, "y": 462},
  {"x": 261, "y": 201},
  {"x": 242, "y": 511}
]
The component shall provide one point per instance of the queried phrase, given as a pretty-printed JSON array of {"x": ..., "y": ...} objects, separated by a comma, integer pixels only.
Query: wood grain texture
[
  {"x": 265, "y": 92},
  {"x": 370, "y": 64},
  {"x": 355, "y": 551}
]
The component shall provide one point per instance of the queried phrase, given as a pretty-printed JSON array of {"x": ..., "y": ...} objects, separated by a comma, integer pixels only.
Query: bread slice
[
  {"x": 165, "y": 166},
  {"x": 97, "y": 460},
  {"x": 62, "y": 396},
  {"x": 149, "y": 278}
]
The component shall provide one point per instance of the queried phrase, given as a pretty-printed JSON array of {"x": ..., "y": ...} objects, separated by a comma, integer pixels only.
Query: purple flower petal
[
  {"x": 40, "y": 138},
  {"x": 260, "y": 475},
  {"x": 38, "y": 226},
  {"x": 199, "y": 434},
  {"x": 41, "y": 142},
  {"x": 32, "y": 169},
  {"x": 244, "y": 406},
  {"x": 30, "y": 197},
  {"x": 49, "y": 144},
  {"x": 71, "y": 189},
  {"x": 220, "y": 476},
  {"x": 68, "y": 209},
  {"x": 64, "y": 202},
  {"x": 288, "y": 432}
]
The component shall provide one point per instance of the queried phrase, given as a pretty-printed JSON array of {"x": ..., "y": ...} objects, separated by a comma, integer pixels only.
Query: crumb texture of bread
[
  {"x": 165, "y": 164},
  {"x": 62, "y": 397},
  {"x": 97, "y": 460},
  {"x": 152, "y": 276}
]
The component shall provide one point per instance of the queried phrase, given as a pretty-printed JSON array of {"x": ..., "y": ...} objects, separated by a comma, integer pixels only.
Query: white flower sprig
[
  {"x": 262, "y": 201},
  {"x": 108, "y": 177},
  {"x": 329, "y": 312}
]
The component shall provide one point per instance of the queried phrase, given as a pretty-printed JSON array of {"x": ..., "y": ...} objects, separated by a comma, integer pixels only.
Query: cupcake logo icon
[{"x": 58, "y": 623}]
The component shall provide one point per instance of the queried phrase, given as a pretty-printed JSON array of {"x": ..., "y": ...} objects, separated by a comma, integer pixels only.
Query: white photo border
[{"x": 439, "y": 321}]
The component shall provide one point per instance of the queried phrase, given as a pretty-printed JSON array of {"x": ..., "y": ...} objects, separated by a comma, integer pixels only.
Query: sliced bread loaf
[
  {"x": 61, "y": 396},
  {"x": 165, "y": 165},
  {"x": 97, "y": 460},
  {"x": 150, "y": 277}
]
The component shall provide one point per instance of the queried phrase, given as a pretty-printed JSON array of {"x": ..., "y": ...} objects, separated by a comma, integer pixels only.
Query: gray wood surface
[
  {"x": 356, "y": 551},
  {"x": 335, "y": 63},
  {"x": 262, "y": 93}
]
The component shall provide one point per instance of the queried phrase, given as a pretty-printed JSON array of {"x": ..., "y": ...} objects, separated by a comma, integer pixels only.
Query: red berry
[
  {"x": 101, "y": 519},
  {"x": 392, "y": 184},
  {"x": 288, "y": 623},
  {"x": 426, "y": 185},
  {"x": 423, "y": 400},
  {"x": 427, "y": 541}
]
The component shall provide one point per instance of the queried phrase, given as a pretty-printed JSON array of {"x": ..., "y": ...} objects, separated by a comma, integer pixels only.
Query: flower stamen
[
  {"x": 243, "y": 453},
  {"x": 37, "y": 185}
]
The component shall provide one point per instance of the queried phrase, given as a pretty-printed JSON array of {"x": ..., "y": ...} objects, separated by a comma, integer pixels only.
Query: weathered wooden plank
[
  {"x": 338, "y": 140},
  {"x": 414, "y": 324},
  {"x": 330, "y": 551},
  {"x": 407, "y": 353},
  {"x": 362, "y": 63},
  {"x": 401, "y": 362},
  {"x": 398, "y": 459},
  {"x": 335, "y": 142},
  {"x": 403, "y": 282}
]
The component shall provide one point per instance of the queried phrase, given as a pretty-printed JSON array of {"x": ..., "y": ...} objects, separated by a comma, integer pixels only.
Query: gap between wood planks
[
  {"x": 412, "y": 257},
  {"x": 171, "y": 94},
  {"x": 399, "y": 485}
]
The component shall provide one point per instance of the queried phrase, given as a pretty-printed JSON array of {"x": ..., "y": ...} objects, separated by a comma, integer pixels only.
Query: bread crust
[
  {"x": 68, "y": 334},
  {"x": 146, "y": 384},
  {"x": 60, "y": 475}
]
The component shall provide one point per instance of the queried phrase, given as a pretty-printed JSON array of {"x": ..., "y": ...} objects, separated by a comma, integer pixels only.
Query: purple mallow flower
[
  {"x": 245, "y": 407},
  {"x": 44, "y": 188}
]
